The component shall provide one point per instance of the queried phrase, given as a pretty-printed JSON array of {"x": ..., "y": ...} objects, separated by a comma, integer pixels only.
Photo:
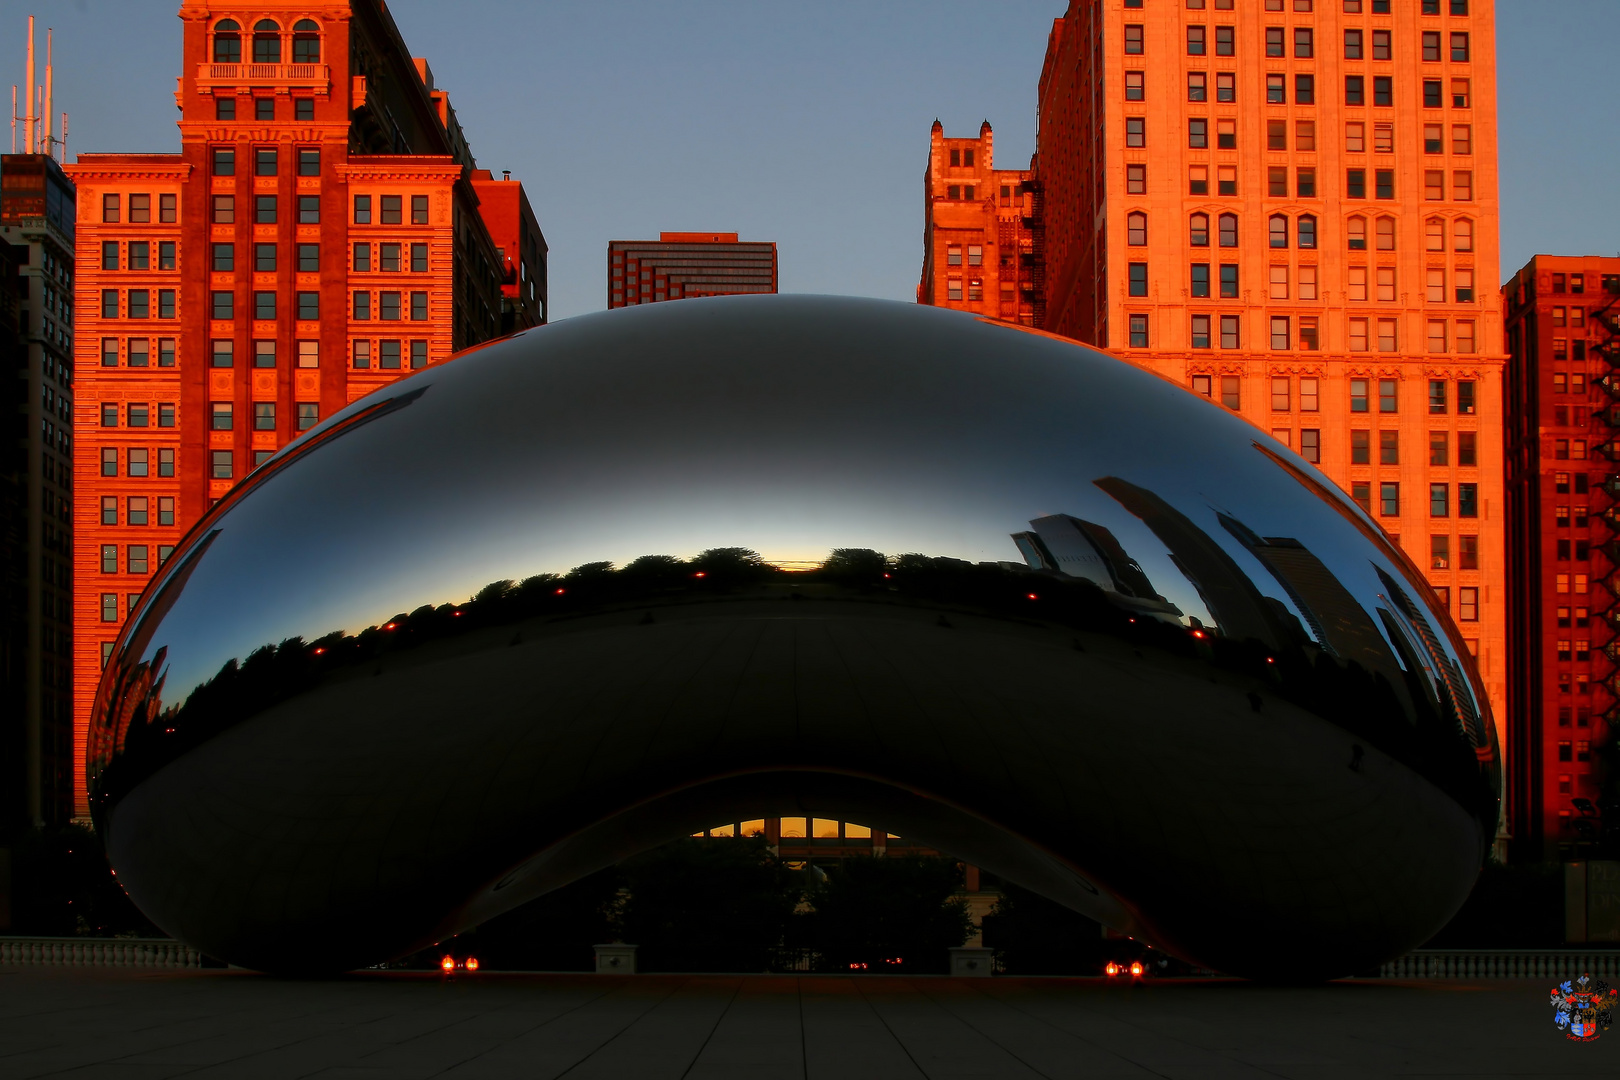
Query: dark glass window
[
  {"x": 390, "y": 209},
  {"x": 419, "y": 354},
  {"x": 1224, "y": 41},
  {"x": 224, "y": 209},
  {"x": 109, "y": 303},
  {"x": 362, "y": 209},
  {"x": 1383, "y": 90},
  {"x": 419, "y": 209},
  {"x": 309, "y": 209},
  {"x": 362, "y": 258},
  {"x": 388, "y": 305},
  {"x": 1274, "y": 41},
  {"x": 1200, "y": 280},
  {"x": 221, "y": 461},
  {"x": 109, "y": 255},
  {"x": 1139, "y": 331},
  {"x": 165, "y": 254},
  {"x": 227, "y": 42},
  {"x": 264, "y": 416},
  {"x": 264, "y": 305},
  {"x": 1355, "y": 184},
  {"x": 362, "y": 306},
  {"x": 264, "y": 161},
  {"x": 1384, "y": 184},
  {"x": 225, "y": 108},
  {"x": 309, "y": 305},
  {"x": 309, "y": 162},
  {"x": 388, "y": 354},
  {"x": 1354, "y": 90},
  {"x": 264, "y": 258},
  {"x": 1229, "y": 282},
  {"x": 264, "y": 209},
  {"x": 1304, "y": 90},
  {"x": 309, "y": 258},
  {"x": 419, "y": 258},
  {"x": 419, "y": 306},
  {"x": 1138, "y": 285},
  {"x": 266, "y": 42},
  {"x": 303, "y": 108}
]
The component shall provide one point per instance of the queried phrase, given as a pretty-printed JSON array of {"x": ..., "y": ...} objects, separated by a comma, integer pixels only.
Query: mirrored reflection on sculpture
[{"x": 617, "y": 578}]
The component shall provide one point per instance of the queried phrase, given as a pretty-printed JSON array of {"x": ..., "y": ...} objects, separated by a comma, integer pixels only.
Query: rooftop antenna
[
  {"x": 506, "y": 174},
  {"x": 28, "y": 83},
  {"x": 64, "y": 138},
  {"x": 47, "y": 144},
  {"x": 13, "y": 118}
]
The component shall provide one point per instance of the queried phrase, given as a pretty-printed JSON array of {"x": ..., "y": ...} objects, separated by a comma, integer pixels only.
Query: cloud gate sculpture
[{"x": 616, "y": 579}]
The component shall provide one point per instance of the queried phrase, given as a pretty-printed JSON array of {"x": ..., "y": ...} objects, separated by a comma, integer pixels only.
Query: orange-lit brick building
[
  {"x": 1291, "y": 207},
  {"x": 318, "y": 236},
  {"x": 686, "y": 264},
  {"x": 1563, "y": 339},
  {"x": 981, "y": 235}
]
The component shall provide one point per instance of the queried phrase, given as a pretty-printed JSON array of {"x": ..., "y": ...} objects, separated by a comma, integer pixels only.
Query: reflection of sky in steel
[{"x": 675, "y": 428}]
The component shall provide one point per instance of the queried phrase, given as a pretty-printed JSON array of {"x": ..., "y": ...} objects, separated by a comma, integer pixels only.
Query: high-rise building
[
  {"x": 683, "y": 264},
  {"x": 1563, "y": 339},
  {"x": 1290, "y": 207},
  {"x": 980, "y": 235},
  {"x": 318, "y": 236},
  {"x": 520, "y": 245},
  {"x": 36, "y": 529}
]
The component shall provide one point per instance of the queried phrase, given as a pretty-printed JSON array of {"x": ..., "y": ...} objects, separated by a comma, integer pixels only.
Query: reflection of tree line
[{"x": 1400, "y": 721}]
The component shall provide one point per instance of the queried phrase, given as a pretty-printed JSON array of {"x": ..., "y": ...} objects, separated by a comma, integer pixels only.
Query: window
[
  {"x": 264, "y": 209},
  {"x": 1468, "y": 611},
  {"x": 1433, "y": 138},
  {"x": 1389, "y": 448},
  {"x": 309, "y": 305},
  {"x": 1467, "y": 500},
  {"x": 1462, "y": 235},
  {"x": 419, "y": 354},
  {"x": 1135, "y": 131},
  {"x": 1136, "y": 229},
  {"x": 264, "y": 416},
  {"x": 221, "y": 462},
  {"x": 362, "y": 209},
  {"x": 1280, "y": 337},
  {"x": 227, "y": 42},
  {"x": 1384, "y": 230},
  {"x": 388, "y": 354},
  {"x": 1226, "y": 179},
  {"x": 1277, "y": 229},
  {"x": 1198, "y": 180},
  {"x": 1228, "y": 234},
  {"x": 1310, "y": 445},
  {"x": 1304, "y": 43},
  {"x": 1465, "y": 407},
  {"x": 1307, "y": 222},
  {"x": 362, "y": 306},
  {"x": 136, "y": 510},
  {"x": 1229, "y": 283},
  {"x": 1389, "y": 499},
  {"x": 1431, "y": 46},
  {"x": 266, "y": 42},
  {"x": 1361, "y": 492},
  {"x": 1440, "y": 545},
  {"x": 1354, "y": 90},
  {"x": 166, "y": 462},
  {"x": 140, "y": 209},
  {"x": 1462, "y": 138},
  {"x": 1358, "y": 395},
  {"x": 1195, "y": 41},
  {"x": 224, "y": 258},
  {"x": 1276, "y": 89},
  {"x": 1197, "y": 86},
  {"x": 1230, "y": 336},
  {"x": 1459, "y": 93},
  {"x": 220, "y": 354},
  {"x": 309, "y": 354},
  {"x": 388, "y": 302},
  {"x": 109, "y": 607},
  {"x": 419, "y": 203},
  {"x": 264, "y": 258},
  {"x": 138, "y": 416},
  {"x": 1200, "y": 332},
  {"x": 139, "y": 304},
  {"x": 1459, "y": 48},
  {"x": 137, "y": 352},
  {"x": 309, "y": 258},
  {"x": 137, "y": 461},
  {"x": 391, "y": 209},
  {"x": 1383, "y": 91},
  {"x": 109, "y": 509},
  {"x": 388, "y": 257},
  {"x": 1384, "y": 184},
  {"x": 362, "y": 258},
  {"x": 362, "y": 354},
  {"x": 1435, "y": 286},
  {"x": 1439, "y": 448},
  {"x": 1135, "y": 184},
  {"x": 1225, "y": 86},
  {"x": 225, "y": 108},
  {"x": 306, "y": 42},
  {"x": 1468, "y": 553},
  {"x": 223, "y": 305},
  {"x": 1310, "y": 337},
  {"x": 1355, "y": 137},
  {"x": 166, "y": 416},
  {"x": 309, "y": 414},
  {"x": 1465, "y": 331},
  {"x": 1380, "y": 44},
  {"x": 309, "y": 210},
  {"x": 1355, "y": 183},
  {"x": 1305, "y": 139},
  {"x": 109, "y": 352},
  {"x": 303, "y": 108},
  {"x": 1139, "y": 331},
  {"x": 419, "y": 300},
  {"x": 975, "y": 253},
  {"x": 1225, "y": 41},
  {"x": 1232, "y": 392},
  {"x": 1352, "y": 44},
  {"x": 1279, "y": 282},
  {"x": 264, "y": 305},
  {"x": 1133, "y": 41},
  {"x": 1138, "y": 285},
  {"x": 309, "y": 162},
  {"x": 1197, "y": 133},
  {"x": 1387, "y": 338},
  {"x": 1274, "y": 41},
  {"x": 1462, "y": 187},
  {"x": 166, "y": 251},
  {"x": 264, "y": 161},
  {"x": 1431, "y": 95},
  {"x": 220, "y": 413},
  {"x": 1198, "y": 230},
  {"x": 1226, "y": 134},
  {"x": 1277, "y": 136}
]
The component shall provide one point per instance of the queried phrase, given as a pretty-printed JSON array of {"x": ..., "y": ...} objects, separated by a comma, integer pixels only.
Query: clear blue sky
[{"x": 803, "y": 123}]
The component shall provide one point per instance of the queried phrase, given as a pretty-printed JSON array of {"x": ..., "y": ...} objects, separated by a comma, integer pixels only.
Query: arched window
[
  {"x": 266, "y": 42},
  {"x": 1462, "y": 235},
  {"x": 227, "y": 42},
  {"x": 1228, "y": 230},
  {"x": 1386, "y": 234},
  {"x": 1279, "y": 230},
  {"x": 1307, "y": 231},
  {"x": 1136, "y": 229},
  {"x": 1434, "y": 234},
  {"x": 1356, "y": 230},
  {"x": 306, "y": 42},
  {"x": 1198, "y": 230}
]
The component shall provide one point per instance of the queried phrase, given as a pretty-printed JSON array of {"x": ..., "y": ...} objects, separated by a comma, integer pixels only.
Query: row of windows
[
  {"x": 1351, "y": 7},
  {"x": 1277, "y": 232},
  {"x": 389, "y": 306},
  {"x": 1310, "y": 439},
  {"x": 1583, "y": 753},
  {"x": 137, "y": 352},
  {"x": 1572, "y": 382},
  {"x": 1576, "y": 584},
  {"x": 1224, "y": 40},
  {"x": 1365, "y": 335},
  {"x": 953, "y": 255},
  {"x": 962, "y": 158},
  {"x": 137, "y": 510},
  {"x": 137, "y": 303},
  {"x": 1440, "y": 556},
  {"x": 306, "y": 305},
  {"x": 222, "y": 353},
  {"x": 1388, "y": 402},
  {"x": 1277, "y": 89},
  {"x": 136, "y": 559},
  {"x": 264, "y": 108},
  {"x": 137, "y": 255},
  {"x": 1576, "y": 283},
  {"x": 266, "y": 161},
  {"x": 1562, "y": 516},
  {"x": 388, "y": 353},
  {"x": 390, "y": 207},
  {"x": 1389, "y": 499},
  {"x": 109, "y": 613},
  {"x": 306, "y": 42},
  {"x": 140, "y": 208},
  {"x": 1582, "y": 550},
  {"x": 958, "y": 192},
  {"x": 1574, "y": 316},
  {"x": 222, "y": 415},
  {"x": 266, "y": 209},
  {"x": 136, "y": 414},
  {"x": 138, "y": 461}
]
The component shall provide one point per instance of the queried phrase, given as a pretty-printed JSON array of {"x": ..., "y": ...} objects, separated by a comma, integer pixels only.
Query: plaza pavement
[{"x": 120, "y": 1024}]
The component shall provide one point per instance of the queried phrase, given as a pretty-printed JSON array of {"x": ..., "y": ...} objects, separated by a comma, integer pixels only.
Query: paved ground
[{"x": 134, "y": 1026}]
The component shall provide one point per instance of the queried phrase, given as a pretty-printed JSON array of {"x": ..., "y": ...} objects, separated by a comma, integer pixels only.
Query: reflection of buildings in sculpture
[
  {"x": 1239, "y": 609},
  {"x": 1449, "y": 682},
  {"x": 1084, "y": 549}
]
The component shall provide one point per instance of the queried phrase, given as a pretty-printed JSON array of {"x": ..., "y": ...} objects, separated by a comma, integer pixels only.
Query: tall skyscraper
[
  {"x": 1563, "y": 339},
  {"x": 318, "y": 236},
  {"x": 36, "y": 530},
  {"x": 1290, "y": 207},
  {"x": 684, "y": 264},
  {"x": 980, "y": 231}
]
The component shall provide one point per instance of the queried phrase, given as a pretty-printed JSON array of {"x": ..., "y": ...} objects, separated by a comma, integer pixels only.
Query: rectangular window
[
  {"x": 1383, "y": 91},
  {"x": 264, "y": 258},
  {"x": 264, "y": 416},
  {"x": 165, "y": 303},
  {"x": 1135, "y": 131},
  {"x": 1134, "y": 90},
  {"x": 109, "y": 607},
  {"x": 139, "y": 415},
  {"x": 309, "y": 258},
  {"x": 1355, "y": 183},
  {"x": 388, "y": 257},
  {"x": 1468, "y": 607},
  {"x": 1462, "y": 190},
  {"x": 224, "y": 159},
  {"x": 1389, "y": 448},
  {"x": 1465, "y": 400},
  {"x": 264, "y": 161},
  {"x": 309, "y": 306},
  {"x": 1305, "y": 139},
  {"x": 165, "y": 511},
  {"x": 221, "y": 464},
  {"x": 1198, "y": 133},
  {"x": 1197, "y": 86},
  {"x": 1133, "y": 41},
  {"x": 388, "y": 354},
  {"x": 140, "y": 209},
  {"x": 1279, "y": 282},
  {"x": 1354, "y": 90},
  {"x": 166, "y": 462},
  {"x": 1225, "y": 86},
  {"x": 1434, "y": 184},
  {"x": 1279, "y": 332},
  {"x": 1135, "y": 184},
  {"x": 362, "y": 209},
  {"x": 138, "y": 459},
  {"x": 109, "y": 255},
  {"x": 1274, "y": 41},
  {"x": 1304, "y": 90},
  {"x": 264, "y": 209},
  {"x": 388, "y": 305},
  {"x": 1200, "y": 331},
  {"x": 362, "y": 258},
  {"x": 419, "y": 206},
  {"x": 264, "y": 305},
  {"x": 309, "y": 414},
  {"x": 362, "y": 306},
  {"x": 1307, "y": 281},
  {"x": 1139, "y": 331},
  {"x": 1386, "y": 284},
  {"x": 1198, "y": 180},
  {"x": 1225, "y": 41},
  {"x": 1304, "y": 43},
  {"x": 1468, "y": 553},
  {"x": 1439, "y": 501},
  {"x": 1459, "y": 48},
  {"x": 309, "y": 210},
  {"x": 419, "y": 302},
  {"x": 166, "y": 415},
  {"x": 136, "y": 510},
  {"x": 1439, "y": 547},
  {"x": 109, "y": 560},
  {"x": 419, "y": 252},
  {"x": 1468, "y": 500},
  {"x": 1431, "y": 97},
  {"x": 1387, "y": 337},
  {"x": 1281, "y": 396},
  {"x": 221, "y": 353},
  {"x": 309, "y": 354},
  {"x": 1361, "y": 492},
  {"x": 1232, "y": 392},
  {"x": 1358, "y": 393},
  {"x": 220, "y": 416},
  {"x": 1352, "y": 44},
  {"x": 391, "y": 209},
  {"x": 1439, "y": 448},
  {"x": 109, "y": 352},
  {"x": 362, "y": 354},
  {"x": 224, "y": 258},
  {"x": 137, "y": 352},
  {"x": 224, "y": 209},
  {"x": 1389, "y": 499},
  {"x": 1431, "y": 45},
  {"x": 1357, "y": 283},
  {"x": 1231, "y": 337},
  {"x": 1226, "y": 134},
  {"x": 1459, "y": 93},
  {"x": 309, "y": 162},
  {"x": 109, "y": 509},
  {"x": 1310, "y": 445},
  {"x": 109, "y": 303},
  {"x": 1437, "y": 336},
  {"x": 264, "y": 354},
  {"x": 1226, "y": 180},
  {"x": 1465, "y": 333},
  {"x": 1358, "y": 343},
  {"x": 419, "y": 354},
  {"x": 1276, "y": 89},
  {"x": 1384, "y": 184},
  {"x": 1229, "y": 281},
  {"x": 1308, "y": 400},
  {"x": 1195, "y": 41}
]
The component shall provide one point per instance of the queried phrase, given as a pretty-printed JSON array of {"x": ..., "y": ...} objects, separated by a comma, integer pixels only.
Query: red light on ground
[
  {"x": 1111, "y": 970},
  {"x": 1269, "y": 660},
  {"x": 448, "y": 964},
  {"x": 1136, "y": 968},
  {"x": 700, "y": 573},
  {"x": 559, "y": 592},
  {"x": 1032, "y": 596},
  {"x": 885, "y": 575},
  {"x": 472, "y": 963},
  {"x": 457, "y": 614}
]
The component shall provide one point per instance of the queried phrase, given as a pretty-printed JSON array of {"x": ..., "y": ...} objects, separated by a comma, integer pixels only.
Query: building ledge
[{"x": 304, "y": 76}]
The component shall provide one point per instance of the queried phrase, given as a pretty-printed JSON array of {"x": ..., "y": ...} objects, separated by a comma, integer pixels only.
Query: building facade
[
  {"x": 520, "y": 246},
  {"x": 1290, "y": 206},
  {"x": 980, "y": 232},
  {"x": 36, "y": 535},
  {"x": 680, "y": 265},
  {"x": 318, "y": 236},
  {"x": 1563, "y": 339}
]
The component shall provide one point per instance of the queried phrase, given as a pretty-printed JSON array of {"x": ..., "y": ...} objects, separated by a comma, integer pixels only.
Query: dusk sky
[{"x": 806, "y": 124}]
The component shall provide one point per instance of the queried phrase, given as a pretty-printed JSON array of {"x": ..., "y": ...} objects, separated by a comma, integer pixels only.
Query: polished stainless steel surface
[{"x": 522, "y": 615}]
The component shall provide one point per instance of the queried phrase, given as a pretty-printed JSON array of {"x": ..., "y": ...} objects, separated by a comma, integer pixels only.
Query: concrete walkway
[{"x": 132, "y": 1025}]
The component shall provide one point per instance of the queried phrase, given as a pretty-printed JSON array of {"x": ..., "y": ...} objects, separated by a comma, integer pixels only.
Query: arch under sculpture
[{"x": 1070, "y": 622}]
